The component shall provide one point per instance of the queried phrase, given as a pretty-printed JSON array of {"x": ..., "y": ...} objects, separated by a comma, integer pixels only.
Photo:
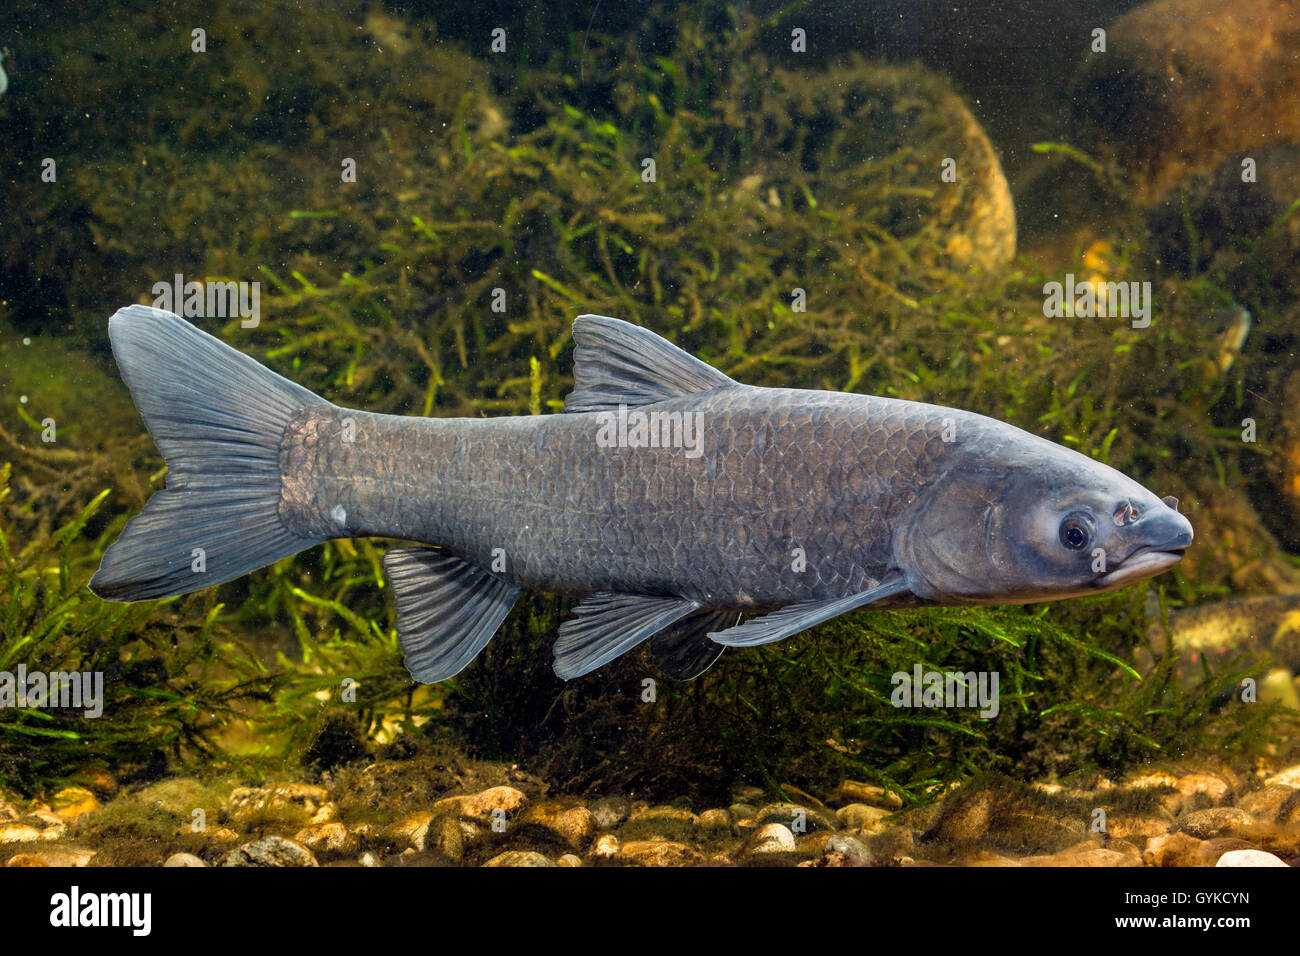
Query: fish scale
[{"x": 776, "y": 473}]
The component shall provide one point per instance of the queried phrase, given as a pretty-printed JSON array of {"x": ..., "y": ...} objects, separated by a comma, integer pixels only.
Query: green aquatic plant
[{"x": 383, "y": 294}]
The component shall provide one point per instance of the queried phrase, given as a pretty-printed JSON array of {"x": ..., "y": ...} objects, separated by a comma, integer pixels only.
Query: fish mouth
[{"x": 1142, "y": 563}]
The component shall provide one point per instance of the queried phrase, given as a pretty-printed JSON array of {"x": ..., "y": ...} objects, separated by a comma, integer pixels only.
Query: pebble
[
  {"x": 851, "y": 850},
  {"x": 331, "y": 839},
  {"x": 19, "y": 833},
  {"x": 610, "y": 812},
  {"x": 481, "y": 806},
  {"x": 1266, "y": 804},
  {"x": 853, "y": 792},
  {"x": 568, "y": 860},
  {"x": 270, "y": 851},
  {"x": 1216, "y": 821},
  {"x": 715, "y": 820},
  {"x": 183, "y": 859},
  {"x": 295, "y": 801},
  {"x": 606, "y": 847},
  {"x": 1290, "y": 777},
  {"x": 444, "y": 835},
  {"x": 861, "y": 816},
  {"x": 796, "y": 818},
  {"x": 576, "y": 826},
  {"x": 1136, "y": 826},
  {"x": 408, "y": 830},
  {"x": 519, "y": 858},
  {"x": 1249, "y": 858},
  {"x": 72, "y": 802},
  {"x": 64, "y": 857},
  {"x": 658, "y": 853},
  {"x": 662, "y": 822},
  {"x": 1215, "y": 787},
  {"x": 770, "y": 838},
  {"x": 179, "y": 796}
]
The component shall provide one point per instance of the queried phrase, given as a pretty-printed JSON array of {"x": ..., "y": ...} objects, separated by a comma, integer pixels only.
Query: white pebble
[{"x": 1249, "y": 858}]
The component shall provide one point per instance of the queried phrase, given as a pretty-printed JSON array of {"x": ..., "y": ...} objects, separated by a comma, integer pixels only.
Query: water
[{"x": 403, "y": 208}]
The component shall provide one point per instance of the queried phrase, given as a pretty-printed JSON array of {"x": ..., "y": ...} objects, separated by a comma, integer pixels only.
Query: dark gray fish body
[
  {"x": 779, "y": 470},
  {"x": 804, "y": 503}
]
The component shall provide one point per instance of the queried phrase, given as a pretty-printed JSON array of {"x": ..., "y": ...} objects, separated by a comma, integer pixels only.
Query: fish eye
[{"x": 1075, "y": 532}]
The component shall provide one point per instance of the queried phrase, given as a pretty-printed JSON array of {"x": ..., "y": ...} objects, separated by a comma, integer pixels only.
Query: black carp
[{"x": 668, "y": 496}]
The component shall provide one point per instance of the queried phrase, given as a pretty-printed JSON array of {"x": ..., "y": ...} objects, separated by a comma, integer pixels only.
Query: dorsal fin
[{"x": 618, "y": 363}]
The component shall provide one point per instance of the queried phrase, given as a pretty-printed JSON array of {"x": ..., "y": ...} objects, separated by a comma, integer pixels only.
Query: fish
[{"x": 678, "y": 506}]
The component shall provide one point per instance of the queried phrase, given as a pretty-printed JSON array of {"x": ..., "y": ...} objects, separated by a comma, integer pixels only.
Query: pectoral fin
[
  {"x": 606, "y": 625},
  {"x": 447, "y": 609},
  {"x": 799, "y": 617}
]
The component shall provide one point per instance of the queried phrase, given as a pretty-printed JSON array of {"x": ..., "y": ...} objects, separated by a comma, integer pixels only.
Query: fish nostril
[{"x": 1171, "y": 501}]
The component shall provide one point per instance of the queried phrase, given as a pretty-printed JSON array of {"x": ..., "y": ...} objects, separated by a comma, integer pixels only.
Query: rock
[
  {"x": 60, "y": 857},
  {"x": 576, "y": 826},
  {"x": 1290, "y": 777},
  {"x": 798, "y": 819},
  {"x": 270, "y": 851},
  {"x": 519, "y": 858},
  {"x": 368, "y": 859},
  {"x": 1147, "y": 779},
  {"x": 1266, "y": 805},
  {"x": 894, "y": 844},
  {"x": 662, "y": 823},
  {"x": 1249, "y": 858},
  {"x": 1215, "y": 787},
  {"x": 770, "y": 838},
  {"x": 853, "y": 792},
  {"x": 72, "y": 802},
  {"x": 328, "y": 812},
  {"x": 658, "y": 853},
  {"x": 742, "y": 811},
  {"x": 328, "y": 839},
  {"x": 610, "y": 812},
  {"x": 443, "y": 834},
  {"x": 484, "y": 805},
  {"x": 860, "y": 816},
  {"x": 183, "y": 859},
  {"x": 963, "y": 816},
  {"x": 1092, "y": 857},
  {"x": 409, "y": 831},
  {"x": 19, "y": 833},
  {"x": 715, "y": 820},
  {"x": 1182, "y": 849},
  {"x": 568, "y": 860},
  {"x": 865, "y": 109},
  {"x": 1136, "y": 826},
  {"x": 1185, "y": 83},
  {"x": 279, "y": 804},
  {"x": 179, "y": 796},
  {"x": 849, "y": 849},
  {"x": 606, "y": 846},
  {"x": 222, "y": 835},
  {"x": 1214, "y": 822}
]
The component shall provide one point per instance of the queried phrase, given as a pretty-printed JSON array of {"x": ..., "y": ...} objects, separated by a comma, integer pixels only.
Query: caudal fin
[{"x": 217, "y": 416}]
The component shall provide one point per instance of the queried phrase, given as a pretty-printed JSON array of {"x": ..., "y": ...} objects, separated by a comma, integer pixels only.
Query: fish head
[{"x": 1036, "y": 527}]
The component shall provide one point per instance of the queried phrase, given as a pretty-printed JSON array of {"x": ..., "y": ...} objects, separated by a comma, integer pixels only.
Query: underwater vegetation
[{"x": 479, "y": 176}]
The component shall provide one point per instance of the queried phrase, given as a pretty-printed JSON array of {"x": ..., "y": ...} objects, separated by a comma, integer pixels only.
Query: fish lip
[{"x": 1142, "y": 563}]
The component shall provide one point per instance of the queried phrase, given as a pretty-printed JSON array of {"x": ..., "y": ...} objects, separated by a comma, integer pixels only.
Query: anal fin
[
  {"x": 447, "y": 609},
  {"x": 684, "y": 650},
  {"x": 799, "y": 617},
  {"x": 607, "y": 625}
]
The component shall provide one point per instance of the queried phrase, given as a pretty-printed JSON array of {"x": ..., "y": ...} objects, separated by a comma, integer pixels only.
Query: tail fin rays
[{"x": 218, "y": 417}]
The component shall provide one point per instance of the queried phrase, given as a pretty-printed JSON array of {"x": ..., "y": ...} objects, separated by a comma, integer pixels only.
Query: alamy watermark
[
  {"x": 217, "y": 300},
  {"x": 638, "y": 429},
  {"x": 61, "y": 689},
  {"x": 923, "y": 688},
  {"x": 1092, "y": 299}
]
